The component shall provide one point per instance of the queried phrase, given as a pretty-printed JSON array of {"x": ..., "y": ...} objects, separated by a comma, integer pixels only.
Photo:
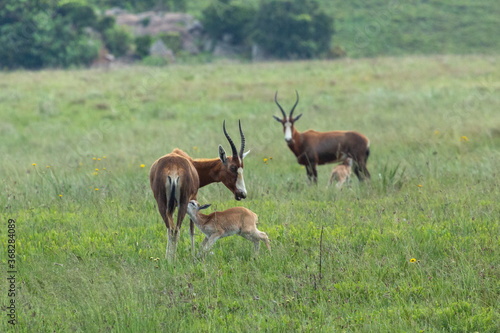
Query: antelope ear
[
  {"x": 245, "y": 154},
  {"x": 298, "y": 117},
  {"x": 277, "y": 119},
  {"x": 222, "y": 155},
  {"x": 204, "y": 206}
]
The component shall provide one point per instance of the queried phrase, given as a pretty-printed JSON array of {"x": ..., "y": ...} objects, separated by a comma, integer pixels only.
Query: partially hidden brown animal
[
  {"x": 314, "y": 148},
  {"x": 233, "y": 221},
  {"x": 175, "y": 179},
  {"x": 341, "y": 173}
]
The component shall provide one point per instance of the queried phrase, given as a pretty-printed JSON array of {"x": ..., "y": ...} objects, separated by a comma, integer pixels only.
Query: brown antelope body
[
  {"x": 175, "y": 179},
  {"x": 341, "y": 173},
  {"x": 314, "y": 148},
  {"x": 233, "y": 221}
]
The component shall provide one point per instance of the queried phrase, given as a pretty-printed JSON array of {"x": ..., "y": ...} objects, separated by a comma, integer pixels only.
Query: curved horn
[
  {"x": 297, "y": 102},
  {"x": 233, "y": 147},
  {"x": 276, "y": 101},
  {"x": 242, "y": 141}
]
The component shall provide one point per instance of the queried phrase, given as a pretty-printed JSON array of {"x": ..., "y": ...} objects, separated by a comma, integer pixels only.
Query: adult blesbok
[
  {"x": 175, "y": 179},
  {"x": 314, "y": 148}
]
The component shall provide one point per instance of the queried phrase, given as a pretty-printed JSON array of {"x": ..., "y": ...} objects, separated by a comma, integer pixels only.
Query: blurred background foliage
[{"x": 43, "y": 33}]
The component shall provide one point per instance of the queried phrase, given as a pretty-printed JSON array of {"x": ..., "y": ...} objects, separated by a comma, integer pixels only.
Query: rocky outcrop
[{"x": 155, "y": 23}]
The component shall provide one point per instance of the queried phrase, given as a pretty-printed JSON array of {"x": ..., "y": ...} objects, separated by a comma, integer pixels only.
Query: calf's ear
[{"x": 204, "y": 206}]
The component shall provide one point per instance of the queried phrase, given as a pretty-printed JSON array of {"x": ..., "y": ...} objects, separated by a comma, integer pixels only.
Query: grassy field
[{"x": 91, "y": 244}]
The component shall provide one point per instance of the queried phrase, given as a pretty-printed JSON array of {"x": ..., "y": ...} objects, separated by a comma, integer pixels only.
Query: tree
[
  {"x": 36, "y": 34},
  {"x": 230, "y": 18},
  {"x": 293, "y": 29}
]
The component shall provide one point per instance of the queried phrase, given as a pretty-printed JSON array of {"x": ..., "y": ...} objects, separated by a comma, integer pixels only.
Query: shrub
[
  {"x": 155, "y": 61},
  {"x": 117, "y": 41},
  {"x": 227, "y": 17},
  {"x": 172, "y": 40},
  {"x": 78, "y": 15},
  {"x": 104, "y": 23},
  {"x": 37, "y": 34},
  {"x": 293, "y": 29},
  {"x": 142, "y": 45}
]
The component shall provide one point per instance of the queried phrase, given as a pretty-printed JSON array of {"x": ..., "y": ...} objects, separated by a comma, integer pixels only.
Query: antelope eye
[{"x": 233, "y": 169}]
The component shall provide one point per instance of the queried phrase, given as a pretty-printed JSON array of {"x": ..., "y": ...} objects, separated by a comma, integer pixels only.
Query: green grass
[{"x": 84, "y": 259}]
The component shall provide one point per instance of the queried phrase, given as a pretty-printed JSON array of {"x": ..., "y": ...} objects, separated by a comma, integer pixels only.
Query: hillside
[{"x": 367, "y": 28}]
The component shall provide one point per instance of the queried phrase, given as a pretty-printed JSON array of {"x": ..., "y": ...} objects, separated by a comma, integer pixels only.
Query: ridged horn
[
  {"x": 276, "y": 101},
  {"x": 233, "y": 147},
  {"x": 297, "y": 102},
  {"x": 242, "y": 140}
]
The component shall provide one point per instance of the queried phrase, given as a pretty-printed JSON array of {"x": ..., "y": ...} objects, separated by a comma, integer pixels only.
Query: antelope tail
[{"x": 172, "y": 200}]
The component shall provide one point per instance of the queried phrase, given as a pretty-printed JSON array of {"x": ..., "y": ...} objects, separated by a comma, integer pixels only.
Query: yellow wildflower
[
  {"x": 94, "y": 158},
  {"x": 142, "y": 165},
  {"x": 412, "y": 260},
  {"x": 48, "y": 166},
  {"x": 34, "y": 164},
  {"x": 464, "y": 138},
  {"x": 98, "y": 158},
  {"x": 104, "y": 157},
  {"x": 265, "y": 160},
  {"x": 419, "y": 185},
  {"x": 96, "y": 169},
  {"x": 60, "y": 195},
  {"x": 436, "y": 132},
  {"x": 96, "y": 189}
]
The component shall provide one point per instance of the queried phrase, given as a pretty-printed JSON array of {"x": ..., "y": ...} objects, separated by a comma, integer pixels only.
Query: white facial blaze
[
  {"x": 240, "y": 182},
  {"x": 288, "y": 131}
]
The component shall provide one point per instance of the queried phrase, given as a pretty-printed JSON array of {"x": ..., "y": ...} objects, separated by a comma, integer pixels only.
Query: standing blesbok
[
  {"x": 233, "y": 221},
  {"x": 341, "y": 173},
  {"x": 228, "y": 170},
  {"x": 174, "y": 182},
  {"x": 175, "y": 179},
  {"x": 312, "y": 148}
]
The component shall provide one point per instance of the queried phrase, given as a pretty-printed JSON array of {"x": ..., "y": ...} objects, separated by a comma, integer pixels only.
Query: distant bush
[
  {"x": 231, "y": 18},
  {"x": 142, "y": 45},
  {"x": 117, "y": 41},
  {"x": 145, "y": 5},
  {"x": 77, "y": 14},
  {"x": 155, "y": 61},
  {"x": 172, "y": 40},
  {"x": 36, "y": 34},
  {"x": 104, "y": 23},
  {"x": 293, "y": 29}
]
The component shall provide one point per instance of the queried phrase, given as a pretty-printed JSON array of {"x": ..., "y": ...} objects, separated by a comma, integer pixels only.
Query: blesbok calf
[
  {"x": 233, "y": 221},
  {"x": 314, "y": 148},
  {"x": 228, "y": 170},
  {"x": 341, "y": 173}
]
